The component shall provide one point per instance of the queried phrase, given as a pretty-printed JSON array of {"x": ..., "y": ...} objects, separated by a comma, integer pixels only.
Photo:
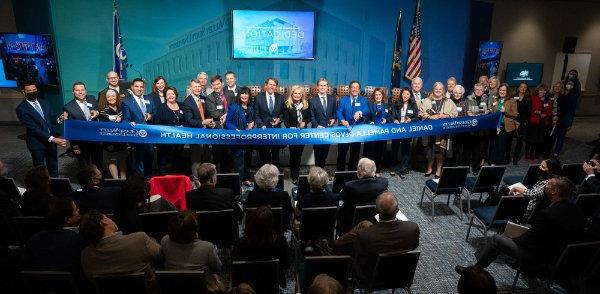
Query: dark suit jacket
[
  {"x": 412, "y": 111},
  {"x": 290, "y": 117},
  {"x": 56, "y": 250},
  {"x": 553, "y": 228},
  {"x": 383, "y": 237},
  {"x": 317, "y": 199},
  {"x": 133, "y": 113},
  {"x": 103, "y": 199},
  {"x": 214, "y": 105},
  {"x": 206, "y": 198},
  {"x": 262, "y": 115},
  {"x": 156, "y": 98},
  {"x": 75, "y": 112},
  {"x": 320, "y": 116},
  {"x": 274, "y": 198},
  {"x": 591, "y": 185},
  {"x": 355, "y": 193},
  {"x": 38, "y": 129},
  {"x": 191, "y": 112}
]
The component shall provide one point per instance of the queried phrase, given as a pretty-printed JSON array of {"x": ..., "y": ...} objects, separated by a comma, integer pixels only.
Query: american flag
[{"x": 413, "y": 65}]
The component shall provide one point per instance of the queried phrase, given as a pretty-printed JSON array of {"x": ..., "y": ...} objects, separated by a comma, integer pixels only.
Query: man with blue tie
[
  {"x": 83, "y": 107},
  {"x": 322, "y": 115},
  {"x": 35, "y": 115},
  {"x": 268, "y": 114},
  {"x": 138, "y": 109},
  {"x": 351, "y": 110}
]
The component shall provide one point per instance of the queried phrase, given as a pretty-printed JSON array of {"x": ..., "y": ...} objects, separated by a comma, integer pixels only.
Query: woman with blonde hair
[
  {"x": 296, "y": 114},
  {"x": 437, "y": 106}
]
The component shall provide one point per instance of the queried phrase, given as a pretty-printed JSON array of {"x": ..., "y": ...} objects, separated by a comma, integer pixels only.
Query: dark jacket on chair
[
  {"x": 103, "y": 199},
  {"x": 274, "y": 198},
  {"x": 355, "y": 193},
  {"x": 208, "y": 198}
]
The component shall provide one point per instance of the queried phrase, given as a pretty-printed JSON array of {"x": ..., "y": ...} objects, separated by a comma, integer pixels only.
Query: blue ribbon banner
[{"x": 141, "y": 133}]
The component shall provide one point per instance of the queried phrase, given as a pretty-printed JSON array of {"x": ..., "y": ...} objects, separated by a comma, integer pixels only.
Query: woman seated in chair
[
  {"x": 318, "y": 196},
  {"x": 261, "y": 242},
  {"x": 266, "y": 179}
]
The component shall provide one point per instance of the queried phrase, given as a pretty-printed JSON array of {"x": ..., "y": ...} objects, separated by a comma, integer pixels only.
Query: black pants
[
  {"x": 295, "y": 158},
  {"x": 90, "y": 153},
  {"x": 169, "y": 158},
  {"x": 269, "y": 154},
  {"x": 247, "y": 163},
  {"x": 354, "y": 156},
  {"x": 47, "y": 157},
  {"x": 518, "y": 146},
  {"x": 321, "y": 152},
  {"x": 502, "y": 147},
  {"x": 219, "y": 155},
  {"x": 405, "y": 149},
  {"x": 375, "y": 151},
  {"x": 474, "y": 147}
]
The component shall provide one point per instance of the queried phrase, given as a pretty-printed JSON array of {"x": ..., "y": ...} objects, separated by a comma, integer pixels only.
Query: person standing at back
[{"x": 268, "y": 114}]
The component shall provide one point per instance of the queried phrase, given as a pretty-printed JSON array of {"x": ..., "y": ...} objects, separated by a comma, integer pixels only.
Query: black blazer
[
  {"x": 553, "y": 228},
  {"x": 38, "y": 129},
  {"x": 167, "y": 117},
  {"x": 56, "y": 250},
  {"x": 75, "y": 112},
  {"x": 214, "y": 106},
  {"x": 591, "y": 185},
  {"x": 290, "y": 117},
  {"x": 191, "y": 112},
  {"x": 412, "y": 107},
  {"x": 206, "y": 198},
  {"x": 103, "y": 199},
  {"x": 355, "y": 193},
  {"x": 320, "y": 116},
  {"x": 317, "y": 199},
  {"x": 156, "y": 98},
  {"x": 274, "y": 198},
  {"x": 262, "y": 115}
]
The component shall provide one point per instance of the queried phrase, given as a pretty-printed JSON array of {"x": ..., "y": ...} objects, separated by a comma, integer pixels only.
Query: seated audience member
[
  {"x": 261, "y": 242},
  {"x": 59, "y": 248},
  {"x": 207, "y": 197},
  {"x": 591, "y": 183},
  {"x": 363, "y": 191},
  {"x": 35, "y": 199},
  {"x": 324, "y": 284},
  {"x": 318, "y": 196},
  {"x": 112, "y": 253},
  {"x": 92, "y": 195},
  {"x": 554, "y": 227},
  {"x": 475, "y": 280},
  {"x": 267, "y": 194},
  {"x": 182, "y": 250},
  {"x": 242, "y": 288}
]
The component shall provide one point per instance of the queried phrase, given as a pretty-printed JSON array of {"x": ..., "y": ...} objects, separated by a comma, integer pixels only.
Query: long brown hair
[{"x": 259, "y": 229}]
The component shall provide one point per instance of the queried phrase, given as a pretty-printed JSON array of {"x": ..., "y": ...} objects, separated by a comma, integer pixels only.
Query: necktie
[
  {"x": 86, "y": 111},
  {"x": 271, "y": 103},
  {"x": 224, "y": 102},
  {"x": 324, "y": 102},
  {"x": 201, "y": 109},
  {"x": 142, "y": 105},
  {"x": 37, "y": 107},
  {"x": 353, "y": 102}
]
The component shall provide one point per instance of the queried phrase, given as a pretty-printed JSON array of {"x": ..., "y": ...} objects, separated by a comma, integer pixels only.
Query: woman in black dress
[
  {"x": 110, "y": 111},
  {"x": 170, "y": 114}
]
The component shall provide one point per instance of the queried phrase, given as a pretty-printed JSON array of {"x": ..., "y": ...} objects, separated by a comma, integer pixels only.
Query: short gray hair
[
  {"x": 459, "y": 88},
  {"x": 267, "y": 176},
  {"x": 366, "y": 168},
  {"x": 317, "y": 179}
]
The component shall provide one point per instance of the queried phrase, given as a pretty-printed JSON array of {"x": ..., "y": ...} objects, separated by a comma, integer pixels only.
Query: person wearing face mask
[
  {"x": 380, "y": 114},
  {"x": 565, "y": 113},
  {"x": 548, "y": 169},
  {"x": 36, "y": 116},
  {"x": 83, "y": 107},
  {"x": 405, "y": 110},
  {"x": 92, "y": 194},
  {"x": 573, "y": 76},
  {"x": 352, "y": 110},
  {"x": 296, "y": 114},
  {"x": 535, "y": 128}
]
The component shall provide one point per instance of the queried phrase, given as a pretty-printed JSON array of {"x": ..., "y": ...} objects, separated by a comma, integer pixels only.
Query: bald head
[{"x": 387, "y": 206}]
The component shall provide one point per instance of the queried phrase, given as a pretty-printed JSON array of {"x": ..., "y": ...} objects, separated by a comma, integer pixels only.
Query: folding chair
[
  {"x": 156, "y": 224},
  {"x": 27, "y": 226},
  {"x": 362, "y": 213},
  {"x": 218, "y": 227},
  {"x": 589, "y": 204},
  {"x": 8, "y": 186},
  {"x": 47, "y": 282},
  {"x": 60, "y": 187},
  {"x": 487, "y": 181},
  {"x": 303, "y": 187},
  {"x": 277, "y": 217},
  {"x": 336, "y": 266},
  {"x": 528, "y": 180},
  {"x": 121, "y": 284},
  {"x": 340, "y": 178},
  {"x": 176, "y": 282},
  {"x": 262, "y": 276},
  {"x": 573, "y": 172},
  {"x": 509, "y": 208},
  {"x": 451, "y": 182},
  {"x": 230, "y": 181},
  {"x": 392, "y": 270},
  {"x": 317, "y": 223}
]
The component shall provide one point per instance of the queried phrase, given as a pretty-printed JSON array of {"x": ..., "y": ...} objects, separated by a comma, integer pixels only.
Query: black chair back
[
  {"x": 337, "y": 267},
  {"x": 177, "y": 282},
  {"x": 262, "y": 276},
  {"x": 121, "y": 284},
  {"x": 489, "y": 178},
  {"x": 60, "y": 187},
  {"x": 156, "y": 224},
  {"x": 303, "y": 186},
  {"x": 317, "y": 223},
  {"x": 364, "y": 212},
  {"x": 589, "y": 204},
  {"x": 277, "y": 217},
  {"x": 218, "y": 227},
  {"x": 394, "y": 270},
  {"x": 49, "y": 282},
  {"x": 511, "y": 207},
  {"x": 453, "y": 178},
  {"x": 27, "y": 226},
  {"x": 113, "y": 183},
  {"x": 532, "y": 175},
  {"x": 340, "y": 178},
  {"x": 573, "y": 172},
  {"x": 230, "y": 181},
  {"x": 575, "y": 260},
  {"x": 8, "y": 186}
]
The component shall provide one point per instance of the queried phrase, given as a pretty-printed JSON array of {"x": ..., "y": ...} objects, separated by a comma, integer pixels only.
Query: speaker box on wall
[{"x": 569, "y": 45}]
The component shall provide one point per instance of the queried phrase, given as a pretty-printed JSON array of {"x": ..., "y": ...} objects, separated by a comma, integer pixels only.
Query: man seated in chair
[
  {"x": 591, "y": 183},
  {"x": 93, "y": 195},
  {"x": 207, "y": 197},
  {"x": 363, "y": 191},
  {"x": 553, "y": 228}
]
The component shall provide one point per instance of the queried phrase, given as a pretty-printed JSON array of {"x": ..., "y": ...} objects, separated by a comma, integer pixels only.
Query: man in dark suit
[
  {"x": 217, "y": 104},
  {"x": 363, "y": 191},
  {"x": 417, "y": 95},
  {"x": 591, "y": 183},
  {"x": 194, "y": 109},
  {"x": 92, "y": 195},
  {"x": 139, "y": 109},
  {"x": 83, "y": 107},
  {"x": 36, "y": 116},
  {"x": 554, "y": 227},
  {"x": 388, "y": 235},
  {"x": 351, "y": 110},
  {"x": 268, "y": 113},
  {"x": 112, "y": 78},
  {"x": 322, "y": 115},
  {"x": 207, "y": 197},
  {"x": 231, "y": 82}
]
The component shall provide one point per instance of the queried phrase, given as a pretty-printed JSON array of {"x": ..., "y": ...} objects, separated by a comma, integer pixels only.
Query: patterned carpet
[{"x": 442, "y": 243}]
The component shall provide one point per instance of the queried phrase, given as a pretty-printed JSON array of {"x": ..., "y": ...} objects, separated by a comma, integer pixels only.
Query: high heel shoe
[{"x": 428, "y": 174}]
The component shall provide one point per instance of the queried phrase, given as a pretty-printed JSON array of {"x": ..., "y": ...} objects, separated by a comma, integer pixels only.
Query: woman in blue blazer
[
  {"x": 379, "y": 114},
  {"x": 405, "y": 111},
  {"x": 240, "y": 117}
]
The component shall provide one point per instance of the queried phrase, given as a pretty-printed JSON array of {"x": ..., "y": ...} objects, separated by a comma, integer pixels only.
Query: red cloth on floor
[{"x": 172, "y": 188}]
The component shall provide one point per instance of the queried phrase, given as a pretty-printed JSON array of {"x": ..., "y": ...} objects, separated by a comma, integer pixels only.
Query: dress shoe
[{"x": 460, "y": 269}]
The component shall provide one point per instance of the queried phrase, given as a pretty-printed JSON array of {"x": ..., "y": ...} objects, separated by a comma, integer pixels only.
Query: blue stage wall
[{"x": 178, "y": 39}]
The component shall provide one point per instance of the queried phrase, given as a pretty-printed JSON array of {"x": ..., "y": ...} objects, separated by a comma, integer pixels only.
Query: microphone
[{"x": 131, "y": 67}]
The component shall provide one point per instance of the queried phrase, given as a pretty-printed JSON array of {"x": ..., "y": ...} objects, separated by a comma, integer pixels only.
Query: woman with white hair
[
  {"x": 266, "y": 193},
  {"x": 319, "y": 195}
]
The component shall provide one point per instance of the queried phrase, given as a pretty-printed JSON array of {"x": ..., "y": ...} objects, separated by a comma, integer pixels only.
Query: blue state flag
[
  {"x": 396, "y": 63},
  {"x": 119, "y": 55}
]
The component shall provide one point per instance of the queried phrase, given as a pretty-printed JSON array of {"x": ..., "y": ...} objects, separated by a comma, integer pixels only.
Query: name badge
[
  {"x": 180, "y": 111},
  {"x": 386, "y": 110},
  {"x": 459, "y": 109},
  {"x": 482, "y": 104},
  {"x": 409, "y": 111},
  {"x": 202, "y": 100},
  {"x": 112, "y": 117},
  {"x": 495, "y": 103},
  {"x": 432, "y": 102},
  {"x": 357, "y": 104},
  {"x": 546, "y": 105},
  {"x": 88, "y": 104},
  {"x": 219, "y": 106},
  {"x": 552, "y": 98},
  {"x": 516, "y": 98},
  {"x": 146, "y": 101}
]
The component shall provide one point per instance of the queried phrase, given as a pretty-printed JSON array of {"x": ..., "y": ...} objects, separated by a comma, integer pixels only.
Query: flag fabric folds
[
  {"x": 396, "y": 62},
  {"x": 119, "y": 55},
  {"x": 414, "y": 63}
]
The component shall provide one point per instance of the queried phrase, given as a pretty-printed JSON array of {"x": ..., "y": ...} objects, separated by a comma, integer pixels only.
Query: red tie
[{"x": 224, "y": 101}]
